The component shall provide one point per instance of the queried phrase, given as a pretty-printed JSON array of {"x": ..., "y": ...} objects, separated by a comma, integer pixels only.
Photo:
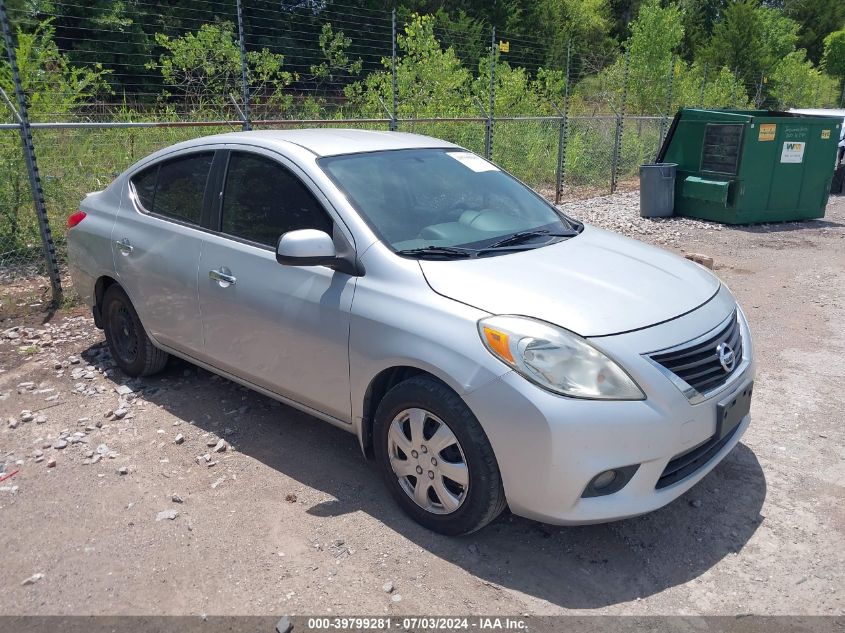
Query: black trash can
[{"x": 657, "y": 190}]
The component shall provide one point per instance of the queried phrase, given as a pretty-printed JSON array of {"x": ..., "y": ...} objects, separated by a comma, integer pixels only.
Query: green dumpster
[{"x": 750, "y": 166}]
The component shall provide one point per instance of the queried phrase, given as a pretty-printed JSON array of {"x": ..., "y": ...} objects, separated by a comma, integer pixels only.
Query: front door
[{"x": 284, "y": 328}]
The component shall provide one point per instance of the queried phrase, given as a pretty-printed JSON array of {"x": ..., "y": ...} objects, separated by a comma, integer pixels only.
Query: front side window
[
  {"x": 262, "y": 200},
  {"x": 421, "y": 198},
  {"x": 175, "y": 188}
]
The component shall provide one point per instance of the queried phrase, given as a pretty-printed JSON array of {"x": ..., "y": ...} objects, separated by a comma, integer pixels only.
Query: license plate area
[{"x": 731, "y": 411}]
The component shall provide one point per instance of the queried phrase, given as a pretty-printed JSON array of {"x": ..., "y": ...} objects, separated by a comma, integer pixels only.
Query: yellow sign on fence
[{"x": 504, "y": 47}]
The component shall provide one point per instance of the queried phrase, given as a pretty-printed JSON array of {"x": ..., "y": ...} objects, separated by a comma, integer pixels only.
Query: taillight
[{"x": 75, "y": 219}]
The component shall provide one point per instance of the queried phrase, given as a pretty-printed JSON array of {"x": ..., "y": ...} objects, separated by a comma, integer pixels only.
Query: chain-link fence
[{"x": 105, "y": 84}]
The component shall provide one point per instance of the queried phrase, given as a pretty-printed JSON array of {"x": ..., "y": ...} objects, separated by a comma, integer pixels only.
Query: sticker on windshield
[{"x": 475, "y": 163}]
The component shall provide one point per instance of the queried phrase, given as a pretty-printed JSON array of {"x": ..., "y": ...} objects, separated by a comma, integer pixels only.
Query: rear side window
[
  {"x": 145, "y": 187},
  {"x": 262, "y": 200},
  {"x": 175, "y": 188}
]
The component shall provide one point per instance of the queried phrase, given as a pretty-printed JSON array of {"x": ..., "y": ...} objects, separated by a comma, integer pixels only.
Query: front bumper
[{"x": 549, "y": 447}]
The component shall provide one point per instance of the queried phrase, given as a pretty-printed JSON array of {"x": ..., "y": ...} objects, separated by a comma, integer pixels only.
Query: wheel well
[
  {"x": 99, "y": 291},
  {"x": 379, "y": 386}
]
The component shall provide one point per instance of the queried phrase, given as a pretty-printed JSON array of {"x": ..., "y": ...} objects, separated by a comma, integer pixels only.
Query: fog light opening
[
  {"x": 603, "y": 480},
  {"x": 609, "y": 481}
]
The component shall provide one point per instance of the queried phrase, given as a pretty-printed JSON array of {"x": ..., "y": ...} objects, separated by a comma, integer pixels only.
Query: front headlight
[{"x": 556, "y": 359}]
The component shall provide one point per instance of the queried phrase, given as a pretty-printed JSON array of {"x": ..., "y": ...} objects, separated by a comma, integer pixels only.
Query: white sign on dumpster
[{"x": 793, "y": 152}]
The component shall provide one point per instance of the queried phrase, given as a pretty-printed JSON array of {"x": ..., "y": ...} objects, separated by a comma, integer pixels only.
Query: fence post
[
  {"x": 247, "y": 124},
  {"x": 758, "y": 98},
  {"x": 620, "y": 126},
  {"x": 31, "y": 163},
  {"x": 562, "y": 129},
  {"x": 394, "y": 84},
  {"x": 703, "y": 84},
  {"x": 488, "y": 131}
]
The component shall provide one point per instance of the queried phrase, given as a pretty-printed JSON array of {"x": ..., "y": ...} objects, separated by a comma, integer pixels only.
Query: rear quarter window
[{"x": 175, "y": 188}]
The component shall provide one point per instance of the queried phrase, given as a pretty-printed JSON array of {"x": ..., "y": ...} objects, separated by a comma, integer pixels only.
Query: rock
[
  {"x": 167, "y": 515},
  {"x": 51, "y": 463},
  {"x": 396, "y": 598},
  {"x": 179, "y": 439},
  {"x": 123, "y": 470},
  {"x": 40, "y": 419},
  {"x": 698, "y": 258},
  {"x": 102, "y": 449},
  {"x": 695, "y": 503},
  {"x": 73, "y": 360},
  {"x": 472, "y": 548},
  {"x": 387, "y": 587},
  {"x": 27, "y": 416},
  {"x": 220, "y": 446},
  {"x": 13, "y": 423},
  {"x": 290, "y": 497},
  {"x": 176, "y": 498},
  {"x": 33, "y": 579},
  {"x": 124, "y": 390},
  {"x": 119, "y": 414},
  {"x": 60, "y": 444},
  {"x": 212, "y": 442}
]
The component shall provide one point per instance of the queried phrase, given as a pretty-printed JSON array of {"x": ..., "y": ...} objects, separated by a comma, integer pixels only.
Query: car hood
[{"x": 595, "y": 284}]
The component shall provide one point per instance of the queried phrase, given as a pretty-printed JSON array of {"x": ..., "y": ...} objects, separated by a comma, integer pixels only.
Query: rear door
[
  {"x": 285, "y": 328},
  {"x": 157, "y": 241}
]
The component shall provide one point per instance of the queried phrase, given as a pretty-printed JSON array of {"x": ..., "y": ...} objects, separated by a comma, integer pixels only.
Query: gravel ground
[{"x": 186, "y": 494}]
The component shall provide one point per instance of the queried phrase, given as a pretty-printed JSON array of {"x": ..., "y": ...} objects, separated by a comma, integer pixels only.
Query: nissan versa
[{"x": 486, "y": 349}]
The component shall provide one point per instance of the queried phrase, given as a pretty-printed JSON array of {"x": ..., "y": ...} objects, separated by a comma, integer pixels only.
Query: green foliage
[
  {"x": 834, "y": 55},
  {"x": 655, "y": 36},
  {"x": 560, "y": 22},
  {"x": 55, "y": 89},
  {"x": 795, "y": 82},
  {"x": 816, "y": 18},
  {"x": 203, "y": 69},
  {"x": 431, "y": 80}
]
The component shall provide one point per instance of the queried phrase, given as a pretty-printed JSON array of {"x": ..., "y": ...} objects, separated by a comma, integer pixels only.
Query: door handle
[
  {"x": 124, "y": 246},
  {"x": 223, "y": 277}
]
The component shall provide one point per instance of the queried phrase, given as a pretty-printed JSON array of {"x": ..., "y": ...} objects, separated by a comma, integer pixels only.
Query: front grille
[
  {"x": 685, "y": 464},
  {"x": 699, "y": 364}
]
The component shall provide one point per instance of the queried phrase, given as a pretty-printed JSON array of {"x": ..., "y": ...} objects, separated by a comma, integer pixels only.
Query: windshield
[{"x": 419, "y": 198}]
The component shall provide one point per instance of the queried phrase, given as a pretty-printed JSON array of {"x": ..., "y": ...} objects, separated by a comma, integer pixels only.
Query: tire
[
  {"x": 128, "y": 342},
  {"x": 470, "y": 458}
]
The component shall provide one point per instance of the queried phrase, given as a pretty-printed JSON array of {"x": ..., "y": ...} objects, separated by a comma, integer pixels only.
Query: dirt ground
[{"x": 291, "y": 519}]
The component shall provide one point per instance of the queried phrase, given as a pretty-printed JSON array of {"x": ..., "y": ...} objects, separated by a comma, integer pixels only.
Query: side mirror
[{"x": 306, "y": 247}]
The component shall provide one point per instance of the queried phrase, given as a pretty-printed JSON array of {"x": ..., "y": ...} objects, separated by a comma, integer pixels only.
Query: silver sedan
[{"x": 485, "y": 349}]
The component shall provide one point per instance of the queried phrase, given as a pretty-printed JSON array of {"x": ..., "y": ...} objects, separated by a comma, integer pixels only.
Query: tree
[
  {"x": 431, "y": 80},
  {"x": 816, "y": 19},
  {"x": 204, "y": 69},
  {"x": 738, "y": 42},
  {"x": 698, "y": 19},
  {"x": 834, "y": 56},
  {"x": 655, "y": 35},
  {"x": 583, "y": 22}
]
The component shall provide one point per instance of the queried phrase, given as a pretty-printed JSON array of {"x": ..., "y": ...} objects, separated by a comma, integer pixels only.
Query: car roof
[{"x": 327, "y": 141}]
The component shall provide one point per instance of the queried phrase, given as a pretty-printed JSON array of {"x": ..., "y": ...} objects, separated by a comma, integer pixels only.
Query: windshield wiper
[
  {"x": 445, "y": 252},
  {"x": 523, "y": 236}
]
